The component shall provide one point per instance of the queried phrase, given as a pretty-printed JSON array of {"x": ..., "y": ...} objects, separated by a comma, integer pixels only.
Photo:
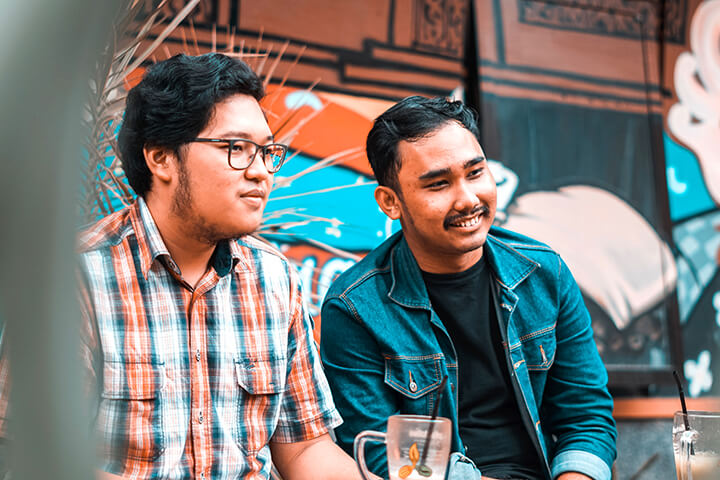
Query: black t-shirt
[{"x": 490, "y": 423}]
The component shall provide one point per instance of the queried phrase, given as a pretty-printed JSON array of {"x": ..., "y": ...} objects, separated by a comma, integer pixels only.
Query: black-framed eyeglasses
[{"x": 242, "y": 152}]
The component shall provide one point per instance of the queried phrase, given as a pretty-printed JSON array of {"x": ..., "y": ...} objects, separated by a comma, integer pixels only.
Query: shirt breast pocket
[
  {"x": 131, "y": 414},
  {"x": 416, "y": 379},
  {"x": 261, "y": 383}
]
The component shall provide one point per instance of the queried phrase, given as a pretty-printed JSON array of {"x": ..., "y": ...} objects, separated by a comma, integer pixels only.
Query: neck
[
  {"x": 189, "y": 253},
  {"x": 437, "y": 262}
]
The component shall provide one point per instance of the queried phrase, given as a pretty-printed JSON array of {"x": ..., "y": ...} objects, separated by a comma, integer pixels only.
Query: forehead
[
  {"x": 238, "y": 114},
  {"x": 450, "y": 146}
]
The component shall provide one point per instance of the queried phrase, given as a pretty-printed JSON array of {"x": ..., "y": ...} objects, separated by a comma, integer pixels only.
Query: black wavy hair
[
  {"x": 411, "y": 119},
  {"x": 174, "y": 102}
]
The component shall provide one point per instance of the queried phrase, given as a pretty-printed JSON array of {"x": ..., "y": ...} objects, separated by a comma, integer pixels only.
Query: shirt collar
[
  {"x": 150, "y": 243},
  {"x": 151, "y": 246}
]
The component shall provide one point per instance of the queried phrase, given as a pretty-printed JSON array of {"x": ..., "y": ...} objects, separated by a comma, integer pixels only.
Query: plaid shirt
[{"x": 195, "y": 382}]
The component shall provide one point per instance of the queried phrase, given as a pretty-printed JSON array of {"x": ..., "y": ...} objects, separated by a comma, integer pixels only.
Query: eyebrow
[
  {"x": 444, "y": 171},
  {"x": 235, "y": 134}
]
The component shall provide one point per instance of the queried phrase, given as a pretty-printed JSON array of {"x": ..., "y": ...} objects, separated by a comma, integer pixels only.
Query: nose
[
  {"x": 257, "y": 170},
  {"x": 465, "y": 198}
]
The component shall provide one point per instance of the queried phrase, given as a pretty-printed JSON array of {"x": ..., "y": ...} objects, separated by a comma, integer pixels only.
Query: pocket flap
[
  {"x": 260, "y": 377},
  {"x": 539, "y": 352},
  {"x": 133, "y": 380},
  {"x": 413, "y": 376}
]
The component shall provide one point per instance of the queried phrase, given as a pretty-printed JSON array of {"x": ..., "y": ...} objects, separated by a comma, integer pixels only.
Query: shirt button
[
  {"x": 200, "y": 418},
  {"x": 197, "y": 355}
]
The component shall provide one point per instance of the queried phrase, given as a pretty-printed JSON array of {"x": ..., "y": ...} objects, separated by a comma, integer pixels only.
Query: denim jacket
[{"x": 385, "y": 352}]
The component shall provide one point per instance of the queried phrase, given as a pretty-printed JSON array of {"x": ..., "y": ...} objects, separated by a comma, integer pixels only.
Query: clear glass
[
  {"x": 697, "y": 450},
  {"x": 406, "y": 439}
]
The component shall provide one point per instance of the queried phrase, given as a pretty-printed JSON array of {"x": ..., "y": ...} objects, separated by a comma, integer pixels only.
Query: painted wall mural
[
  {"x": 693, "y": 164},
  {"x": 601, "y": 120}
]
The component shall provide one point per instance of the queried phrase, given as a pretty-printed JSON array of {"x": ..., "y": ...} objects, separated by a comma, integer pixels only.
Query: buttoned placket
[{"x": 200, "y": 419}]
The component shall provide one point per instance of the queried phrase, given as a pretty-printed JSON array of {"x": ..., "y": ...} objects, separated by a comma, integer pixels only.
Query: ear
[
  {"x": 389, "y": 201},
  {"x": 160, "y": 161}
]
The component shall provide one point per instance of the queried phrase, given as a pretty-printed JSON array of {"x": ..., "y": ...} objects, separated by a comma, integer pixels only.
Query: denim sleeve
[
  {"x": 461, "y": 467},
  {"x": 355, "y": 369},
  {"x": 577, "y": 407}
]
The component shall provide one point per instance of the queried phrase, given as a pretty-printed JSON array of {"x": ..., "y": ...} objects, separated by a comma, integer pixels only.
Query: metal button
[
  {"x": 197, "y": 355},
  {"x": 200, "y": 418},
  {"x": 413, "y": 386}
]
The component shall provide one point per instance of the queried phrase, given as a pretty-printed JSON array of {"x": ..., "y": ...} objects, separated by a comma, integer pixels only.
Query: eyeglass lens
[{"x": 241, "y": 154}]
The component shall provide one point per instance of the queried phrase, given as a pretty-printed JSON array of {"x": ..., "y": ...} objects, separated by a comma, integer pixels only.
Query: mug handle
[{"x": 359, "y": 449}]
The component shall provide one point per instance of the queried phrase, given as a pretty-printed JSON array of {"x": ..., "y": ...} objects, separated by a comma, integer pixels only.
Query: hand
[{"x": 314, "y": 459}]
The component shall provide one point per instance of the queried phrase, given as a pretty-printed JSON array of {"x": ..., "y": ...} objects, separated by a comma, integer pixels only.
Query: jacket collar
[
  {"x": 509, "y": 266},
  {"x": 408, "y": 287}
]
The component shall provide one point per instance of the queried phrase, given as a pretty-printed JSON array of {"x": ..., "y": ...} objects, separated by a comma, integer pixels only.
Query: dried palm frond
[{"x": 105, "y": 185}]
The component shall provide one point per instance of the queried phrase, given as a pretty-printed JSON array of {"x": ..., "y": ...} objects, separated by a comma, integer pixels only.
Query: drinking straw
[
  {"x": 682, "y": 399},
  {"x": 441, "y": 388}
]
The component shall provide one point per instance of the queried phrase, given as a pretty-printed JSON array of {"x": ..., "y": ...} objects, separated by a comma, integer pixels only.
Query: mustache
[{"x": 480, "y": 209}]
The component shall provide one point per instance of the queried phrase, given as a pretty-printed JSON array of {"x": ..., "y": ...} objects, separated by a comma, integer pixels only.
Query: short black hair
[
  {"x": 174, "y": 102},
  {"x": 411, "y": 119}
]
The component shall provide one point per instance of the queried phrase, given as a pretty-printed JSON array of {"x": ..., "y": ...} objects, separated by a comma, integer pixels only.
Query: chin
[{"x": 477, "y": 241}]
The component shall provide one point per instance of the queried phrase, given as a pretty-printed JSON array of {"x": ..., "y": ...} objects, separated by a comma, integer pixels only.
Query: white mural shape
[
  {"x": 695, "y": 119},
  {"x": 616, "y": 256},
  {"x": 698, "y": 374}
]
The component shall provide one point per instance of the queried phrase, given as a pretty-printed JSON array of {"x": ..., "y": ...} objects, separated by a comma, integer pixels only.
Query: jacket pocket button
[{"x": 413, "y": 387}]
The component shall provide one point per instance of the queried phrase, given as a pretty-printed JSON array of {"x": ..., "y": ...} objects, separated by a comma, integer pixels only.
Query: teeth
[{"x": 468, "y": 223}]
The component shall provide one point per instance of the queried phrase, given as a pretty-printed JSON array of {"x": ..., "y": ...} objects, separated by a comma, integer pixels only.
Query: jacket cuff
[
  {"x": 581, "y": 462},
  {"x": 461, "y": 467}
]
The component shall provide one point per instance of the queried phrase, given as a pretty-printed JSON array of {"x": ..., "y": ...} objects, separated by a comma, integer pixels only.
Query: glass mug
[
  {"x": 697, "y": 450},
  {"x": 405, "y": 440}
]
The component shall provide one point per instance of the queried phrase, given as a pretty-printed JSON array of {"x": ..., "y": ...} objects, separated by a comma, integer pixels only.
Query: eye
[
  {"x": 237, "y": 147},
  {"x": 436, "y": 185},
  {"x": 475, "y": 172}
]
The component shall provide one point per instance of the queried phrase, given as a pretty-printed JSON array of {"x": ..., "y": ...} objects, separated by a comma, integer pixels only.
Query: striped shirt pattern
[{"x": 194, "y": 383}]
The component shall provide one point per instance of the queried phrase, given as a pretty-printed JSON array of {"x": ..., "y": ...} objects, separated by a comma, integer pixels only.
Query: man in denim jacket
[{"x": 498, "y": 313}]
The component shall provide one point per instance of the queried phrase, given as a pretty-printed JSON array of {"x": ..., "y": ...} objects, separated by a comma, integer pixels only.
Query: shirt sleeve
[
  {"x": 89, "y": 347},
  {"x": 307, "y": 410}
]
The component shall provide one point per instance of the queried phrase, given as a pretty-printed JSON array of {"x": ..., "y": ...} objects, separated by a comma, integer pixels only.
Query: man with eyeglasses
[{"x": 198, "y": 346}]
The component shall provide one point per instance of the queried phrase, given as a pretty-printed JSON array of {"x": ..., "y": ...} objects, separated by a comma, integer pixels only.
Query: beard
[{"x": 197, "y": 227}]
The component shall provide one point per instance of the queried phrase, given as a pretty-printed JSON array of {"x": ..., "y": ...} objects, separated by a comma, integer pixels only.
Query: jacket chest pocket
[
  {"x": 261, "y": 383},
  {"x": 130, "y": 416},
  {"x": 416, "y": 379},
  {"x": 538, "y": 350}
]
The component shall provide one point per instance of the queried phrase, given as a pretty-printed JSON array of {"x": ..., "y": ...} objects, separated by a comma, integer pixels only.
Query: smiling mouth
[{"x": 466, "y": 221}]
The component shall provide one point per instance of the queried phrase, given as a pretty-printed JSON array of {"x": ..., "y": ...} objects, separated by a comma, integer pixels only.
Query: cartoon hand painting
[{"x": 695, "y": 119}]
